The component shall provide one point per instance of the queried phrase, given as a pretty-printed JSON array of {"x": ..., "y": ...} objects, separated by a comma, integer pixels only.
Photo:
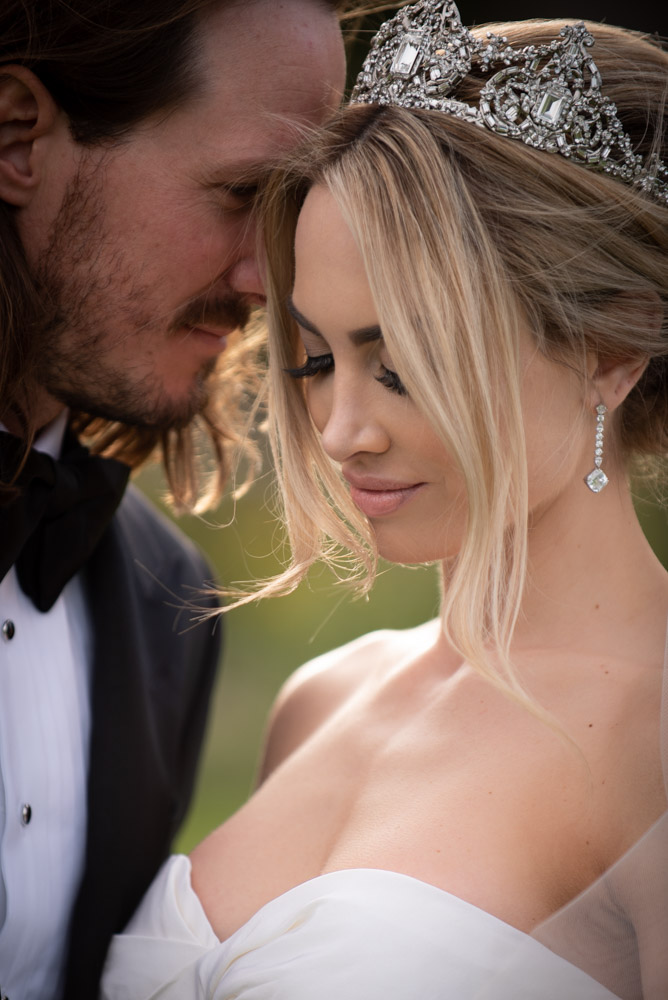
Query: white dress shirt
[{"x": 44, "y": 740}]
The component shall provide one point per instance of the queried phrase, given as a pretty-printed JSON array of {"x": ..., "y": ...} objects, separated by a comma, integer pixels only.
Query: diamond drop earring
[{"x": 597, "y": 479}]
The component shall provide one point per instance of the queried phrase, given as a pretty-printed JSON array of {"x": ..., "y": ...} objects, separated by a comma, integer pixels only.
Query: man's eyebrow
[
  {"x": 362, "y": 335},
  {"x": 240, "y": 174}
]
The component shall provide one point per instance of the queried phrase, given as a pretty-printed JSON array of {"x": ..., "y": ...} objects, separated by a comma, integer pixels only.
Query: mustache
[{"x": 229, "y": 311}]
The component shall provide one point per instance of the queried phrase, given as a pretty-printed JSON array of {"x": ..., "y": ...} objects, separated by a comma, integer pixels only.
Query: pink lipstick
[{"x": 377, "y": 497}]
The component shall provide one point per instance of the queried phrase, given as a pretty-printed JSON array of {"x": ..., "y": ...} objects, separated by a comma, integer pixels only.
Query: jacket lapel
[
  {"x": 152, "y": 679},
  {"x": 130, "y": 810}
]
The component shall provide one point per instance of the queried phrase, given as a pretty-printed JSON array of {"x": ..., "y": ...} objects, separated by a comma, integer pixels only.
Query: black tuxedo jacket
[{"x": 152, "y": 677}]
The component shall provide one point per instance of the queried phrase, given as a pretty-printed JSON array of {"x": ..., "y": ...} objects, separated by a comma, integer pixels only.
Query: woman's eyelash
[
  {"x": 391, "y": 381},
  {"x": 320, "y": 363},
  {"x": 314, "y": 365}
]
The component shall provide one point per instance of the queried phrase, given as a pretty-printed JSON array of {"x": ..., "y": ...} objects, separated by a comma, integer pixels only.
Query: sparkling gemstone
[
  {"x": 407, "y": 56},
  {"x": 601, "y": 408},
  {"x": 551, "y": 107},
  {"x": 596, "y": 480}
]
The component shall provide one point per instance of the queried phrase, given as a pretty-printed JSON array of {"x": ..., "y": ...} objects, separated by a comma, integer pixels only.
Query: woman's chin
[{"x": 407, "y": 552}]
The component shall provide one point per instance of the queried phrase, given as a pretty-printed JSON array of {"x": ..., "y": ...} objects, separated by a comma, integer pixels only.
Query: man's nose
[
  {"x": 244, "y": 275},
  {"x": 245, "y": 278}
]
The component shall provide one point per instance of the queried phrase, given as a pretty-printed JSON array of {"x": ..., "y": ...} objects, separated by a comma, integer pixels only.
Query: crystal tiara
[{"x": 547, "y": 96}]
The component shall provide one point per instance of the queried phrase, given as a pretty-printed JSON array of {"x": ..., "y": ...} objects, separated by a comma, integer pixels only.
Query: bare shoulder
[{"x": 321, "y": 686}]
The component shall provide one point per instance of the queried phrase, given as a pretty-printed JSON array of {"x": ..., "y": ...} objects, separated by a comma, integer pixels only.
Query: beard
[{"x": 93, "y": 301}]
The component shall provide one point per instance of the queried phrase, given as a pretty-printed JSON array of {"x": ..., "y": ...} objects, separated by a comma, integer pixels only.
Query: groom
[{"x": 131, "y": 138}]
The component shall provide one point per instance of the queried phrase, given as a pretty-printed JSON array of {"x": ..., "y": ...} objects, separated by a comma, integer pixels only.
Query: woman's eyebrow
[
  {"x": 301, "y": 319},
  {"x": 366, "y": 334},
  {"x": 362, "y": 335}
]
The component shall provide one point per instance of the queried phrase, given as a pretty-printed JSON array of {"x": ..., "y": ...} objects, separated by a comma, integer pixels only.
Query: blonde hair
[{"x": 466, "y": 238}]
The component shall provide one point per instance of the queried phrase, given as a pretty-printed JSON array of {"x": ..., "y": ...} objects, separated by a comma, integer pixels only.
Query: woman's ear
[
  {"x": 611, "y": 379},
  {"x": 28, "y": 114}
]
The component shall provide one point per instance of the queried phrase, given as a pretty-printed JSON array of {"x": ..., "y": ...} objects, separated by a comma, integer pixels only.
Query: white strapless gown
[{"x": 359, "y": 934}]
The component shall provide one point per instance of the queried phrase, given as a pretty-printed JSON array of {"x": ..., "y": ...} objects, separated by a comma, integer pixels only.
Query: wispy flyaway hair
[{"x": 468, "y": 238}]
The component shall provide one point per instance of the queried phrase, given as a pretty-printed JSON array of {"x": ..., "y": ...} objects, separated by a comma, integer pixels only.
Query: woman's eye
[
  {"x": 391, "y": 381},
  {"x": 314, "y": 365}
]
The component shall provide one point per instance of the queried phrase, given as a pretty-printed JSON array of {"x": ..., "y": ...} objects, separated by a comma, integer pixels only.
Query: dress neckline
[
  {"x": 309, "y": 884},
  {"x": 310, "y": 889}
]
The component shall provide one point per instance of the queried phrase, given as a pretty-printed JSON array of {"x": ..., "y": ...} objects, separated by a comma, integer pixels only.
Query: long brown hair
[{"x": 109, "y": 64}]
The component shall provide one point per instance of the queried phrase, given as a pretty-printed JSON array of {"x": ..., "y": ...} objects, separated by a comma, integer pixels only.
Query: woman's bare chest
[{"x": 444, "y": 800}]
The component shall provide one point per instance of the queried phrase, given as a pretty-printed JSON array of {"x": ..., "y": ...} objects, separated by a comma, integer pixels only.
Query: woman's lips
[{"x": 376, "y": 497}]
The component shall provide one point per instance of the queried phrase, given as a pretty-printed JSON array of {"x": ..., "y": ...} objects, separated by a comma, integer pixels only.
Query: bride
[{"x": 468, "y": 351}]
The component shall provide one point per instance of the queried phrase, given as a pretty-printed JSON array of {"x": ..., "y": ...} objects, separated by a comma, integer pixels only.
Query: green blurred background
[{"x": 266, "y": 641}]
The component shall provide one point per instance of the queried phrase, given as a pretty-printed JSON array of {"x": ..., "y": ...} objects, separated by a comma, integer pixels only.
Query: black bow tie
[{"x": 52, "y": 527}]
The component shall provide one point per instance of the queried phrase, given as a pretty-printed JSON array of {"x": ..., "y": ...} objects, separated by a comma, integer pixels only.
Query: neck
[
  {"x": 42, "y": 411},
  {"x": 591, "y": 572},
  {"x": 593, "y": 582}
]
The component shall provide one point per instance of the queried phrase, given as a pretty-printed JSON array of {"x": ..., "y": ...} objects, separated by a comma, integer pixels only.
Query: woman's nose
[{"x": 349, "y": 422}]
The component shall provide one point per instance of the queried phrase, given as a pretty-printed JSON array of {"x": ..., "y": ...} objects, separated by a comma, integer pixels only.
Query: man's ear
[{"x": 27, "y": 114}]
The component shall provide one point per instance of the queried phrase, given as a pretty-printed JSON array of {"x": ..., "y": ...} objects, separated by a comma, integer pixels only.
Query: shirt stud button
[
  {"x": 26, "y": 813},
  {"x": 8, "y": 629}
]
